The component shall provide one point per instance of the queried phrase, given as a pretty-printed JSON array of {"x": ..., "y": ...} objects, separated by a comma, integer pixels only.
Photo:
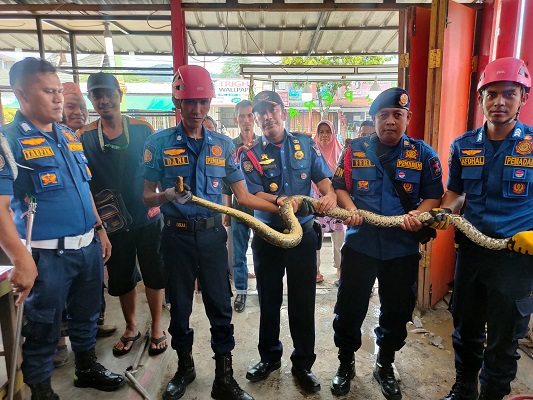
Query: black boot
[
  {"x": 384, "y": 374},
  {"x": 183, "y": 376},
  {"x": 487, "y": 394},
  {"x": 464, "y": 388},
  {"x": 224, "y": 386},
  {"x": 340, "y": 384},
  {"x": 43, "y": 391},
  {"x": 89, "y": 373}
]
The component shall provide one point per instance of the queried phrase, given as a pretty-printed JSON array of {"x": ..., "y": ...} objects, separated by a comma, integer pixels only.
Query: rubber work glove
[
  {"x": 180, "y": 197},
  {"x": 522, "y": 242},
  {"x": 306, "y": 208},
  {"x": 441, "y": 218}
]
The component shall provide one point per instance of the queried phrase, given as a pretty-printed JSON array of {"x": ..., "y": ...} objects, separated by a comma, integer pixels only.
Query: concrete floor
[{"x": 426, "y": 370}]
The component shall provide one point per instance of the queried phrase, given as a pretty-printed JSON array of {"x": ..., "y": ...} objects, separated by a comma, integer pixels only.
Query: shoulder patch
[
  {"x": 148, "y": 156},
  {"x": 317, "y": 150},
  {"x": 436, "y": 168}
]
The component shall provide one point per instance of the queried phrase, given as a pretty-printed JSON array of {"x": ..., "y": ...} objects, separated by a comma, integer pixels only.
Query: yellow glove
[
  {"x": 441, "y": 218},
  {"x": 522, "y": 242}
]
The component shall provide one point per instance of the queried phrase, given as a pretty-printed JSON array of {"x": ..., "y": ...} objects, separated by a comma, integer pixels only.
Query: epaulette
[{"x": 348, "y": 168}]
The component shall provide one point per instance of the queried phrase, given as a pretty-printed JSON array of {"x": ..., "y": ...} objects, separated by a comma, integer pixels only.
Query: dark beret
[{"x": 390, "y": 98}]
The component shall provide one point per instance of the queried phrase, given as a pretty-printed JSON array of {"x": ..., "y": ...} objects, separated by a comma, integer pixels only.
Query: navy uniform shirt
[
  {"x": 169, "y": 153},
  {"x": 416, "y": 167},
  {"x": 496, "y": 183},
  {"x": 105, "y": 165},
  {"x": 53, "y": 169},
  {"x": 227, "y": 190},
  {"x": 283, "y": 170}
]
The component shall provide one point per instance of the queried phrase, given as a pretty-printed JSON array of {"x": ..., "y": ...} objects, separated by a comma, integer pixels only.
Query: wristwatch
[{"x": 101, "y": 226}]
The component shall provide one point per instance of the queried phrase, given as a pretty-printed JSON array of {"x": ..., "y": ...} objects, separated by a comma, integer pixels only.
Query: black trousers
[
  {"x": 492, "y": 288},
  {"x": 270, "y": 263},
  {"x": 397, "y": 294}
]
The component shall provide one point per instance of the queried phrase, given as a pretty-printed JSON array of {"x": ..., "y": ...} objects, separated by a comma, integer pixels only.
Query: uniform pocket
[
  {"x": 39, "y": 324},
  {"x": 364, "y": 181},
  {"x": 524, "y": 308},
  {"x": 472, "y": 179}
]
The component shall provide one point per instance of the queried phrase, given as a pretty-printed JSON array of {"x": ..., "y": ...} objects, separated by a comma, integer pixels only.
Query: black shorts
[{"x": 136, "y": 245}]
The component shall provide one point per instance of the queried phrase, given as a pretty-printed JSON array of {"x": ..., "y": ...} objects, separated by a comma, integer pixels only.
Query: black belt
[{"x": 189, "y": 225}]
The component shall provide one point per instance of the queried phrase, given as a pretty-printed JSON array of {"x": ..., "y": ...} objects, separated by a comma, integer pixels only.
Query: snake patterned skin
[{"x": 292, "y": 235}]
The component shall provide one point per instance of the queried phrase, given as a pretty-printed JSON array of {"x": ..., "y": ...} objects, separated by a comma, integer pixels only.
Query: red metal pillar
[
  {"x": 179, "y": 38},
  {"x": 487, "y": 33},
  {"x": 507, "y": 22},
  {"x": 526, "y": 54}
]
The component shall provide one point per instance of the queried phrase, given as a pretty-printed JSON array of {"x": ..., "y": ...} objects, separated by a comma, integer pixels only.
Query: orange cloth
[{"x": 71, "y": 88}]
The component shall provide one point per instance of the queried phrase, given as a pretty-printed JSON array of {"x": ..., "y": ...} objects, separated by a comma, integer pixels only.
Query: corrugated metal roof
[{"x": 293, "y": 27}]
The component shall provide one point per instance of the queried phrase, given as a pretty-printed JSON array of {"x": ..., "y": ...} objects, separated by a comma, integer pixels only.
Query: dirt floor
[{"x": 426, "y": 369}]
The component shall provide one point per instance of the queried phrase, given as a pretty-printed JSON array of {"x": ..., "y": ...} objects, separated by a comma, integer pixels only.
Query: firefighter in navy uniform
[
  {"x": 68, "y": 239},
  {"x": 194, "y": 239},
  {"x": 277, "y": 165},
  {"x": 491, "y": 175},
  {"x": 387, "y": 173}
]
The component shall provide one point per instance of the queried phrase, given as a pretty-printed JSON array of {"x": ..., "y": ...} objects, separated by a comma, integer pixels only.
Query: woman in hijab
[{"x": 331, "y": 150}]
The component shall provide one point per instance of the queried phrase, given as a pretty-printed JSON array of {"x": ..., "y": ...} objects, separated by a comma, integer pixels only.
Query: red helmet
[
  {"x": 192, "y": 82},
  {"x": 505, "y": 69}
]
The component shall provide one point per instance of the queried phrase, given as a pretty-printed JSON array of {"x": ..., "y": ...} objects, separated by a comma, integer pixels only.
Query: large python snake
[{"x": 292, "y": 235}]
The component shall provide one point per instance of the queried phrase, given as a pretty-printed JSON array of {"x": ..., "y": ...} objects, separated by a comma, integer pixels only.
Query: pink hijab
[{"x": 333, "y": 150}]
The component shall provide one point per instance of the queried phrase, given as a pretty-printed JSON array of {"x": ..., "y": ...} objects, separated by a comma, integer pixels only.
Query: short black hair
[
  {"x": 367, "y": 123},
  {"x": 212, "y": 121},
  {"x": 30, "y": 66},
  {"x": 242, "y": 104}
]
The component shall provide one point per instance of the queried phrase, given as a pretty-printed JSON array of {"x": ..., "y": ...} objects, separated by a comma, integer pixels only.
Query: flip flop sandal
[
  {"x": 157, "y": 350},
  {"x": 121, "y": 352}
]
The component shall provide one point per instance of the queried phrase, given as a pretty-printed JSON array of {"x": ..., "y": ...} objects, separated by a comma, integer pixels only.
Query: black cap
[
  {"x": 390, "y": 98},
  {"x": 367, "y": 123},
  {"x": 266, "y": 96},
  {"x": 102, "y": 80}
]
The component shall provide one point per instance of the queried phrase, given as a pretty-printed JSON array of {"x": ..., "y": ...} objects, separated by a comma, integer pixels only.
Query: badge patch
[
  {"x": 147, "y": 157},
  {"x": 273, "y": 187},
  {"x": 524, "y": 148},
  {"x": 75, "y": 147},
  {"x": 364, "y": 162},
  {"x": 175, "y": 161},
  {"x": 70, "y": 137},
  {"x": 216, "y": 150},
  {"x": 471, "y": 152},
  {"x": 174, "y": 152},
  {"x": 403, "y": 100},
  {"x": 517, "y": 132},
  {"x": 48, "y": 179},
  {"x": 436, "y": 168},
  {"x": 519, "y": 161},
  {"x": 267, "y": 161},
  {"x": 317, "y": 150},
  {"x": 37, "y": 152},
  {"x": 339, "y": 172},
  {"x": 472, "y": 161},
  {"x": 89, "y": 173},
  {"x": 247, "y": 166},
  {"x": 410, "y": 154},
  {"x": 519, "y": 173},
  {"x": 219, "y": 162},
  {"x": 264, "y": 157},
  {"x": 362, "y": 185},
  {"x": 408, "y": 187},
  {"x": 32, "y": 141},
  {"x": 303, "y": 176},
  {"x": 360, "y": 154},
  {"x": 215, "y": 183},
  {"x": 416, "y": 165},
  {"x": 299, "y": 155},
  {"x": 518, "y": 188},
  {"x": 401, "y": 175}
]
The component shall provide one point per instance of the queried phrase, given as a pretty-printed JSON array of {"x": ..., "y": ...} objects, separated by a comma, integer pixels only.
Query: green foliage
[
  {"x": 332, "y": 86},
  {"x": 9, "y": 114},
  {"x": 232, "y": 67}
]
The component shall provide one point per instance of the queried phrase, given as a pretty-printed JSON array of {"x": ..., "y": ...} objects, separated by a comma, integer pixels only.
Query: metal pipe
[
  {"x": 30, "y": 214},
  {"x": 137, "y": 385}
]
